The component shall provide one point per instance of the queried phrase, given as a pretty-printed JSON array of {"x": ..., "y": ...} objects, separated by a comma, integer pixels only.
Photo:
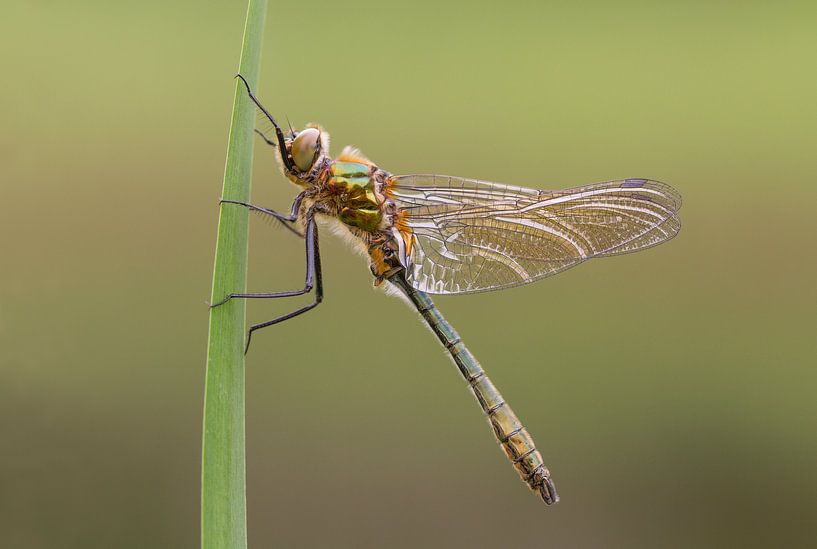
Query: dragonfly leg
[
  {"x": 288, "y": 164},
  {"x": 266, "y": 139},
  {"x": 311, "y": 252},
  {"x": 284, "y": 219},
  {"x": 313, "y": 272}
]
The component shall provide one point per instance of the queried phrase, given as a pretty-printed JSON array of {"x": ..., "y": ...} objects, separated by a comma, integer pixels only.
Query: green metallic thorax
[{"x": 353, "y": 185}]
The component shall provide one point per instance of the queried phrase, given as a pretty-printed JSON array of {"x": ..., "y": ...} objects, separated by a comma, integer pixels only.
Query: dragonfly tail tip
[{"x": 548, "y": 491}]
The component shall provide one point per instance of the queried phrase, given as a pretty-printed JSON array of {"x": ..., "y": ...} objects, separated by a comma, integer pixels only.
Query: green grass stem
[{"x": 223, "y": 479}]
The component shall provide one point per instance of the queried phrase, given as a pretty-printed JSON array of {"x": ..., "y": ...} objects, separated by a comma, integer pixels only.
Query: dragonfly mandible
[{"x": 435, "y": 234}]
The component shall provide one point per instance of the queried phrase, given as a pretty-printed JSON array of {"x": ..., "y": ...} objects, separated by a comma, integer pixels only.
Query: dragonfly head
[
  {"x": 304, "y": 151},
  {"x": 305, "y": 148}
]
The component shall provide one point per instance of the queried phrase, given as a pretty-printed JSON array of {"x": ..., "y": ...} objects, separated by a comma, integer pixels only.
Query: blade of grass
[{"x": 223, "y": 478}]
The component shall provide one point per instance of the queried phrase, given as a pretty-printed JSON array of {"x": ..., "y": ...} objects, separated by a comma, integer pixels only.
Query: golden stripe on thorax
[{"x": 353, "y": 186}]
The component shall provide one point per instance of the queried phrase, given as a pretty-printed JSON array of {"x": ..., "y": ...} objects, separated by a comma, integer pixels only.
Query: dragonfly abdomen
[
  {"x": 512, "y": 436},
  {"x": 514, "y": 439}
]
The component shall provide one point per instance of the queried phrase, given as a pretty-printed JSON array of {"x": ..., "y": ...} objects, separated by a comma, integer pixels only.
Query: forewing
[{"x": 466, "y": 235}]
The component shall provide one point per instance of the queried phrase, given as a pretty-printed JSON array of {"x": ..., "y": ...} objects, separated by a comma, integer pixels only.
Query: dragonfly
[{"x": 436, "y": 234}]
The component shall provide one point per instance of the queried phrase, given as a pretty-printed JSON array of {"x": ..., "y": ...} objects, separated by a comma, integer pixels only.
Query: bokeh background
[{"x": 672, "y": 392}]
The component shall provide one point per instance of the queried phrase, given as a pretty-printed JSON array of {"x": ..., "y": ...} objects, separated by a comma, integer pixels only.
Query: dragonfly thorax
[
  {"x": 354, "y": 190},
  {"x": 352, "y": 184}
]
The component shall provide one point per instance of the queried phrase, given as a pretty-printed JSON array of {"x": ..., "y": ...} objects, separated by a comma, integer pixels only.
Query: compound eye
[{"x": 305, "y": 148}]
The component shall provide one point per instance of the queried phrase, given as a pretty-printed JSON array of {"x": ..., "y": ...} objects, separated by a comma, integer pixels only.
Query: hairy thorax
[{"x": 354, "y": 191}]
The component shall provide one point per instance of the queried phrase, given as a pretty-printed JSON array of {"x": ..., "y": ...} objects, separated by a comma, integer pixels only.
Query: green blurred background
[{"x": 672, "y": 392}]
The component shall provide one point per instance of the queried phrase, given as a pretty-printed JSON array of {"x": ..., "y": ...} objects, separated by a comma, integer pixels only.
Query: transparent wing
[{"x": 464, "y": 235}]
